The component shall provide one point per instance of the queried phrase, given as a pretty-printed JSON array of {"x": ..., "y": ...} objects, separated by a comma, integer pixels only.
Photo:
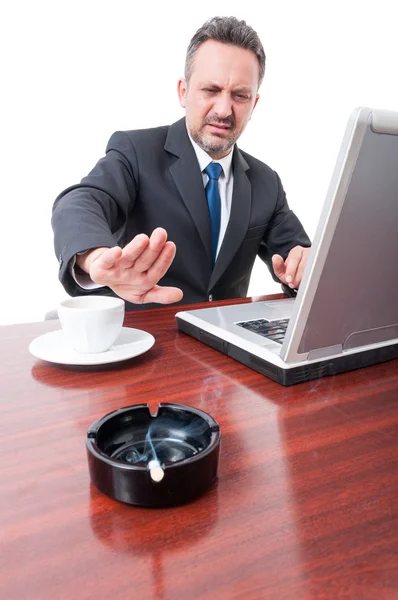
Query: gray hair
[{"x": 227, "y": 30}]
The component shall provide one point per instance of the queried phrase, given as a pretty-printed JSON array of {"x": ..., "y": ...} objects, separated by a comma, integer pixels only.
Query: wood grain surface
[{"x": 305, "y": 505}]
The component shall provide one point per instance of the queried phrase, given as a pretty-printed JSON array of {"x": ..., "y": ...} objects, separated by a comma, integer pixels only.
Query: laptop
[{"x": 345, "y": 314}]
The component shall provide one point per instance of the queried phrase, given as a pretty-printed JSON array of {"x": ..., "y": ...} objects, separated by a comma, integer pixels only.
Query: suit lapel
[
  {"x": 239, "y": 219},
  {"x": 188, "y": 179}
]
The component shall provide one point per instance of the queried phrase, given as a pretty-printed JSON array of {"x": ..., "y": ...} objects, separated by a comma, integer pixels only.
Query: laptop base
[{"x": 293, "y": 375}]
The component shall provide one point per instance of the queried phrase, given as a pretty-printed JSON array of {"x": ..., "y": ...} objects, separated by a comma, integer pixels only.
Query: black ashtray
[{"x": 158, "y": 459}]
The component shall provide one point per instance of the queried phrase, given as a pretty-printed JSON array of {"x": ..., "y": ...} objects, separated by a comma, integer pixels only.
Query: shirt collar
[{"x": 204, "y": 159}]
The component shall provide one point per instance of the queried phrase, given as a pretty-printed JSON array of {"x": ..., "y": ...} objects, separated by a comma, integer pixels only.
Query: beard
[{"x": 215, "y": 146}]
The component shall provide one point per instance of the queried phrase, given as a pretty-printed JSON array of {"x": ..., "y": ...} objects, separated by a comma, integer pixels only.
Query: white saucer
[{"x": 54, "y": 348}]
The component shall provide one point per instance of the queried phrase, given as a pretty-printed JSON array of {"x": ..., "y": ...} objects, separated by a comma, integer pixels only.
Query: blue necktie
[{"x": 213, "y": 171}]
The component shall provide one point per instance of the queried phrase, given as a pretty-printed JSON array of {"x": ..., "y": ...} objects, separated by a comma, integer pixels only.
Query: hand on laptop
[
  {"x": 290, "y": 271},
  {"x": 132, "y": 272}
]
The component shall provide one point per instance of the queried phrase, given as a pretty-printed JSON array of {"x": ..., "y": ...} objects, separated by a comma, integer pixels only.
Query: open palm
[{"x": 133, "y": 272}]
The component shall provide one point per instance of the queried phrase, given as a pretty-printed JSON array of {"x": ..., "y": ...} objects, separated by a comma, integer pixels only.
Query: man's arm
[
  {"x": 92, "y": 216},
  {"x": 93, "y": 213}
]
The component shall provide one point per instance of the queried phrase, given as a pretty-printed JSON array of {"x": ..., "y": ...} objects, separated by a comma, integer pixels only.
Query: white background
[{"x": 73, "y": 72}]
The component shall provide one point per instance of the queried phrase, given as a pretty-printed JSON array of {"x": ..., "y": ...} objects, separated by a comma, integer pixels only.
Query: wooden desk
[{"x": 305, "y": 506}]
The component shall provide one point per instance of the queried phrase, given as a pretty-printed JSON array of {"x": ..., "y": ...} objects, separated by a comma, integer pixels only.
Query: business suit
[{"x": 150, "y": 178}]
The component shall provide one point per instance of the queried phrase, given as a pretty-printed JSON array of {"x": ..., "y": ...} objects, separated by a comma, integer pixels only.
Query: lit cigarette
[{"x": 155, "y": 470}]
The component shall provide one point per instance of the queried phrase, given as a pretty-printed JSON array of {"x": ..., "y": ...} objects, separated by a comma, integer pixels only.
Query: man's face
[{"x": 220, "y": 96}]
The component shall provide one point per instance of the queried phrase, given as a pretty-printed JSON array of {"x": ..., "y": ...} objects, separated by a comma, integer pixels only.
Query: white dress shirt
[{"x": 225, "y": 186}]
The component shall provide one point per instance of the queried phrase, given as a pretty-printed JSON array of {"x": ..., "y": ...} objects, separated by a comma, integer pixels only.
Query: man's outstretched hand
[
  {"x": 133, "y": 272},
  {"x": 290, "y": 271}
]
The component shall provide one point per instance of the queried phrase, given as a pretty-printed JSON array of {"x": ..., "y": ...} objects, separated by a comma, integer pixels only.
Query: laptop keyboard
[{"x": 273, "y": 330}]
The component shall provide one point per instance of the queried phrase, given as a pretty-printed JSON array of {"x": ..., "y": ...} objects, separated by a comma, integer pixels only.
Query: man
[{"x": 189, "y": 182}]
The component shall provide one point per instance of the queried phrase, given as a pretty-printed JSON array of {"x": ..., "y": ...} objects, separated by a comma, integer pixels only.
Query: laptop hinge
[{"x": 324, "y": 352}]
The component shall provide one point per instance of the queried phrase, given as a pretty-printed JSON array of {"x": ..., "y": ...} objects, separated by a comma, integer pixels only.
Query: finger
[
  {"x": 278, "y": 265},
  {"x": 301, "y": 267},
  {"x": 163, "y": 295},
  {"x": 299, "y": 274},
  {"x": 107, "y": 259},
  {"x": 159, "y": 235},
  {"x": 160, "y": 266},
  {"x": 292, "y": 264},
  {"x": 153, "y": 250},
  {"x": 159, "y": 294},
  {"x": 140, "y": 287},
  {"x": 133, "y": 250}
]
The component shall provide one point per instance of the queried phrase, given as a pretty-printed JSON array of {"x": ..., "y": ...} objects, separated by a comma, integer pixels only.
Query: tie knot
[{"x": 213, "y": 170}]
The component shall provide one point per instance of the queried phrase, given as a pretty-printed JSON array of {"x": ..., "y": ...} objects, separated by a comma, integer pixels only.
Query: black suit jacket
[{"x": 151, "y": 178}]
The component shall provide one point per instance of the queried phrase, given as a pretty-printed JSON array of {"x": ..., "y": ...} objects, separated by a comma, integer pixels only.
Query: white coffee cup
[{"x": 91, "y": 323}]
